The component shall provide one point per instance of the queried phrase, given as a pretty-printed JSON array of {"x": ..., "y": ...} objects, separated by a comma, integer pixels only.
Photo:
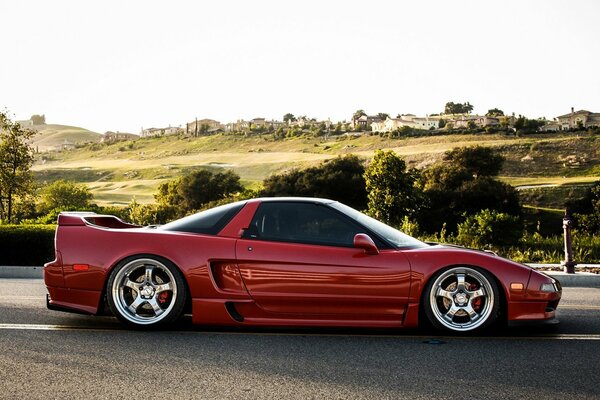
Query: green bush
[
  {"x": 490, "y": 229},
  {"x": 26, "y": 244}
]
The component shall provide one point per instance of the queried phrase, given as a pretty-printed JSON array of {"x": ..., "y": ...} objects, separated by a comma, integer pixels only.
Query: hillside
[
  {"x": 53, "y": 136},
  {"x": 117, "y": 172}
]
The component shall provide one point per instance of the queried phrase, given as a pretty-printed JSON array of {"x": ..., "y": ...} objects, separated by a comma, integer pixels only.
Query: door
[{"x": 298, "y": 258}]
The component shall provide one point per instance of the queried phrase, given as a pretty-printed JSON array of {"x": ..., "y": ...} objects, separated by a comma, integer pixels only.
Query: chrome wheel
[
  {"x": 146, "y": 291},
  {"x": 462, "y": 299}
]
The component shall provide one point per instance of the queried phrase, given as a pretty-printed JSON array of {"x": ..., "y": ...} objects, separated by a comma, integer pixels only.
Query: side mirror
[{"x": 363, "y": 241}]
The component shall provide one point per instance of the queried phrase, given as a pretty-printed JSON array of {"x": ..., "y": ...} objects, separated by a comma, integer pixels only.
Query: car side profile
[{"x": 286, "y": 262}]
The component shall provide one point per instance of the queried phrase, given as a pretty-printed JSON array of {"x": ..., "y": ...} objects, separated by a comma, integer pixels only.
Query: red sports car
[{"x": 286, "y": 262}]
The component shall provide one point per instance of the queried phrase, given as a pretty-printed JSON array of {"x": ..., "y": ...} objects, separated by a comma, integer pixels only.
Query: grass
[
  {"x": 52, "y": 135},
  {"x": 140, "y": 166}
]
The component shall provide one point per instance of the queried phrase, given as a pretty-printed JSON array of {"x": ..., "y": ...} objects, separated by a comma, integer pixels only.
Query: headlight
[{"x": 549, "y": 287}]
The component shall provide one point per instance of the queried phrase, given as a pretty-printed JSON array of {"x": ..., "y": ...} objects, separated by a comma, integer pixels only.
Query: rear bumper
[
  {"x": 55, "y": 307},
  {"x": 73, "y": 300}
]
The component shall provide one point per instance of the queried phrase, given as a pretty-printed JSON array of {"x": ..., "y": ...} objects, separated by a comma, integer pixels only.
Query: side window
[{"x": 302, "y": 223}]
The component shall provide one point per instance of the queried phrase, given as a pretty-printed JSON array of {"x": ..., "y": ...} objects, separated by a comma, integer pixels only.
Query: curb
[
  {"x": 579, "y": 279},
  {"x": 21, "y": 272}
]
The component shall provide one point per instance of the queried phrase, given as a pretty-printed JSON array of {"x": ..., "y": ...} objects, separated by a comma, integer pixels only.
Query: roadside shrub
[
  {"x": 490, "y": 229},
  {"x": 26, "y": 244}
]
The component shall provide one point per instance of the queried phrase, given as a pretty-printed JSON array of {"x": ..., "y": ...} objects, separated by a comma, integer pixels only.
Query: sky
[{"x": 123, "y": 65}]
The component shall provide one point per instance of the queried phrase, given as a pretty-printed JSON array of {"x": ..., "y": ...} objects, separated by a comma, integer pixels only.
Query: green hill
[
  {"x": 53, "y": 136},
  {"x": 116, "y": 172}
]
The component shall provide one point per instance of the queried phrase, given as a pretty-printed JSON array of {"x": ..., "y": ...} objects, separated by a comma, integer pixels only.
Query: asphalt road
[{"x": 53, "y": 355}]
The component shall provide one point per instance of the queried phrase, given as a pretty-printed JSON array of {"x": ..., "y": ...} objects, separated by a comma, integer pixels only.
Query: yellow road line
[
  {"x": 578, "y": 307},
  {"x": 43, "y": 327},
  {"x": 40, "y": 298}
]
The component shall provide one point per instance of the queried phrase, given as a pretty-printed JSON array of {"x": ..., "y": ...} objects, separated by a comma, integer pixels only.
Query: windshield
[{"x": 391, "y": 235}]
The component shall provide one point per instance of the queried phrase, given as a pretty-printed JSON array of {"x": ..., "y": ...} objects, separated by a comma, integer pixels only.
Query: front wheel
[
  {"x": 146, "y": 292},
  {"x": 461, "y": 299}
]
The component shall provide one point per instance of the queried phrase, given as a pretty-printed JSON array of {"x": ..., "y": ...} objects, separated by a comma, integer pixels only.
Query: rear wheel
[
  {"x": 146, "y": 292},
  {"x": 461, "y": 299}
]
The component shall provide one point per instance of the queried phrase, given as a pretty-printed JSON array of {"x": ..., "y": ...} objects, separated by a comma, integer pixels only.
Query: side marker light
[{"x": 81, "y": 267}]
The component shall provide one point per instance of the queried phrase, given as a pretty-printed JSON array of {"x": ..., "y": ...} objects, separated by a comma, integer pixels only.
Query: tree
[
  {"x": 464, "y": 183},
  {"x": 587, "y": 210},
  {"x": 495, "y": 112},
  {"x": 476, "y": 160},
  {"x": 289, "y": 117},
  {"x": 525, "y": 125},
  {"x": 358, "y": 114},
  {"x": 38, "y": 119},
  {"x": 383, "y": 116},
  {"x": 16, "y": 159},
  {"x": 391, "y": 188},
  {"x": 190, "y": 192},
  {"x": 65, "y": 195},
  {"x": 458, "y": 108},
  {"x": 338, "y": 179}
]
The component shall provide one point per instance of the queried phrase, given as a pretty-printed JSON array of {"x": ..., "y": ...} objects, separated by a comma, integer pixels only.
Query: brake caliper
[
  {"x": 163, "y": 297},
  {"x": 475, "y": 303}
]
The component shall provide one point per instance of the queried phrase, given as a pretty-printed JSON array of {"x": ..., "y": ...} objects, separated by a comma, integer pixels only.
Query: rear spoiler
[{"x": 77, "y": 218}]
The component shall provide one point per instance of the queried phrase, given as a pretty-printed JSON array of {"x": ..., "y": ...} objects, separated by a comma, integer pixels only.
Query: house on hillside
[
  {"x": 161, "y": 131},
  {"x": 366, "y": 121},
  {"x": 66, "y": 145},
  {"x": 243, "y": 126},
  {"x": 305, "y": 122},
  {"x": 579, "y": 119},
  {"x": 111, "y": 137},
  {"x": 202, "y": 127},
  {"x": 239, "y": 126},
  {"x": 406, "y": 120},
  {"x": 264, "y": 123},
  {"x": 550, "y": 126},
  {"x": 466, "y": 121}
]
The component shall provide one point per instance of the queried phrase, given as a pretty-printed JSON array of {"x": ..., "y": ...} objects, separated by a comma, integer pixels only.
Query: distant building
[
  {"x": 239, "y": 126},
  {"x": 111, "y": 137},
  {"x": 303, "y": 122},
  {"x": 242, "y": 126},
  {"x": 465, "y": 121},
  {"x": 407, "y": 120},
  {"x": 161, "y": 131},
  {"x": 366, "y": 121},
  {"x": 551, "y": 126},
  {"x": 66, "y": 145},
  {"x": 581, "y": 118},
  {"x": 203, "y": 127}
]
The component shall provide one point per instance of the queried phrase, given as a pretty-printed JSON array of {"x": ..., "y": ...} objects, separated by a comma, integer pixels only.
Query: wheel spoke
[
  {"x": 444, "y": 293},
  {"x": 460, "y": 284},
  {"x": 155, "y": 307},
  {"x": 449, "y": 316},
  {"x": 136, "y": 303},
  {"x": 476, "y": 293},
  {"x": 472, "y": 313},
  {"x": 164, "y": 287},
  {"x": 148, "y": 274},
  {"x": 131, "y": 284}
]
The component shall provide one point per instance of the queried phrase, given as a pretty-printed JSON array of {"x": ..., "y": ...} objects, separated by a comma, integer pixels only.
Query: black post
[{"x": 568, "y": 263}]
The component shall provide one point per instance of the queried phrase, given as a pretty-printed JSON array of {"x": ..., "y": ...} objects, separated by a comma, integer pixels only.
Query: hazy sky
[{"x": 120, "y": 65}]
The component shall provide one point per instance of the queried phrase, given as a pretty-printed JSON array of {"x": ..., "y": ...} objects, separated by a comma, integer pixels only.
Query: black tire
[
  {"x": 146, "y": 292},
  {"x": 461, "y": 299}
]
